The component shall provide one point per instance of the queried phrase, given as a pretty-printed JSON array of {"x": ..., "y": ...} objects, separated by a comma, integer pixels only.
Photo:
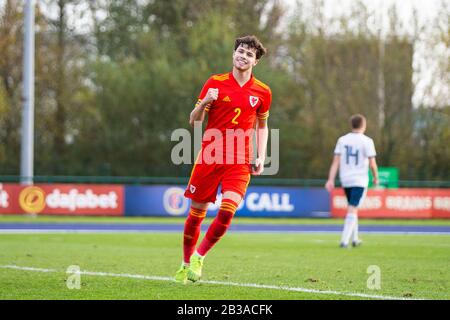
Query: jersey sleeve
[
  {"x": 263, "y": 110},
  {"x": 338, "y": 148},
  {"x": 208, "y": 84},
  {"x": 370, "y": 149}
]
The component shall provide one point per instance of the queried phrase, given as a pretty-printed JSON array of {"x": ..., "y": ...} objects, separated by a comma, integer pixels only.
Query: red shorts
[{"x": 206, "y": 178}]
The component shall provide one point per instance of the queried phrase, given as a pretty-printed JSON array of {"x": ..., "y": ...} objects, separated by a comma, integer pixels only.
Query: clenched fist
[{"x": 211, "y": 95}]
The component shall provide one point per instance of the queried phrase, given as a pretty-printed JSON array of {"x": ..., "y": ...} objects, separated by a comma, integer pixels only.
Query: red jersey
[{"x": 232, "y": 118}]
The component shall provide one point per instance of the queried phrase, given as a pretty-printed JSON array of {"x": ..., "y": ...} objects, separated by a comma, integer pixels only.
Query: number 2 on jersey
[{"x": 238, "y": 113}]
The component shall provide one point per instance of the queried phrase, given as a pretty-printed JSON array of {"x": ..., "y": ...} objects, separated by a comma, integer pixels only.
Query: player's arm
[
  {"x": 198, "y": 114},
  {"x": 374, "y": 168},
  {"x": 333, "y": 171},
  {"x": 262, "y": 135}
]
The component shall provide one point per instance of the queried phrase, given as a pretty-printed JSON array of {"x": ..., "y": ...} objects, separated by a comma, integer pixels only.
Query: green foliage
[{"x": 108, "y": 100}]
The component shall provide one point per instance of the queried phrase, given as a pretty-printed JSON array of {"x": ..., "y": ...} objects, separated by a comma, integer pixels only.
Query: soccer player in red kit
[{"x": 236, "y": 103}]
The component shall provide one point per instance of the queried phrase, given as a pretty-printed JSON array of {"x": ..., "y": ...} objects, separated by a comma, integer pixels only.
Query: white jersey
[{"x": 355, "y": 150}]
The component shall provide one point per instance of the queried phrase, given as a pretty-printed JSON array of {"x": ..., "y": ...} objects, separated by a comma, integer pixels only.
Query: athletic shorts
[
  {"x": 206, "y": 179},
  {"x": 354, "y": 195}
]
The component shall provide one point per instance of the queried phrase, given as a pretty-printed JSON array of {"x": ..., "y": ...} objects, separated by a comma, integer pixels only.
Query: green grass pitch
[{"x": 411, "y": 266}]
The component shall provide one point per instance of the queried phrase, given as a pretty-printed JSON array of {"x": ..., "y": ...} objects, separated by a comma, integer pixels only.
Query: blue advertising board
[{"x": 166, "y": 200}]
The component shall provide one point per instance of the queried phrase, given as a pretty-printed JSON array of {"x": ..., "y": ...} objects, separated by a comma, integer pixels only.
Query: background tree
[{"x": 115, "y": 78}]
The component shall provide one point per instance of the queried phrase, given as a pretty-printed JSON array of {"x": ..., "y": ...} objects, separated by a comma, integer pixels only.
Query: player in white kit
[{"x": 353, "y": 155}]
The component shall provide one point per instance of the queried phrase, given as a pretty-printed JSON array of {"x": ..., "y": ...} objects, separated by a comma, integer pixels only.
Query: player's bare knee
[
  {"x": 199, "y": 205},
  {"x": 231, "y": 195}
]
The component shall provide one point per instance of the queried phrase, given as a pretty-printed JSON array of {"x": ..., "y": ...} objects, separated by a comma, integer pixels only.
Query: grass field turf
[
  {"x": 236, "y": 220},
  {"x": 412, "y": 266}
]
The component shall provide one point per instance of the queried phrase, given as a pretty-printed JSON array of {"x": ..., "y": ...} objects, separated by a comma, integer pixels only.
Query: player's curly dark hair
[{"x": 251, "y": 42}]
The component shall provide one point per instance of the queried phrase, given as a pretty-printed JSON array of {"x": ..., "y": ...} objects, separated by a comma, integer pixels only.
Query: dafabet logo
[{"x": 32, "y": 199}]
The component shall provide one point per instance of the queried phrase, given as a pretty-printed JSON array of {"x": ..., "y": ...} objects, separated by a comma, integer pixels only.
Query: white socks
[
  {"x": 349, "y": 226},
  {"x": 355, "y": 230}
]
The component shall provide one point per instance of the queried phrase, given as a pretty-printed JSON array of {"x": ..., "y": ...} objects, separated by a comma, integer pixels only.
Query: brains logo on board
[
  {"x": 174, "y": 201},
  {"x": 32, "y": 199}
]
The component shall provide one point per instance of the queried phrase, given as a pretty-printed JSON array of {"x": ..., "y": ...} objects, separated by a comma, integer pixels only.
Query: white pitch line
[
  {"x": 235, "y": 284},
  {"x": 29, "y": 269}
]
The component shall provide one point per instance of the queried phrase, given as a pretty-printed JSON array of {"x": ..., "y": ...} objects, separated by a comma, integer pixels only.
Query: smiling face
[{"x": 244, "y": 58}]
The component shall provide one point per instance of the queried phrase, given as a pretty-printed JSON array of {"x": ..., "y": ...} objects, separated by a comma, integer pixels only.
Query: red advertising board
[
  {"x": 396, "y": 203},
  {"x": 64, "y": 199}
]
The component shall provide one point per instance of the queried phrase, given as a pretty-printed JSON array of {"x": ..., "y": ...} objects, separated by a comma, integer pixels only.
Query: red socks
[
  {"x": 192, "y": 232},
  {"x": 219, "y": 226}
]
